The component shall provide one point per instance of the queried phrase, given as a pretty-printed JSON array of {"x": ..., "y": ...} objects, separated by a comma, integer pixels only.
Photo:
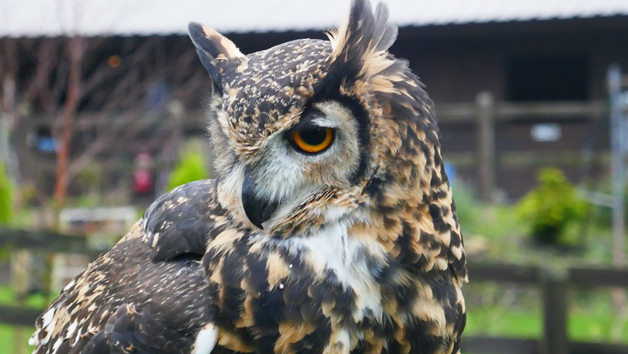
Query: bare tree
[{"x": 98, "y": 88}]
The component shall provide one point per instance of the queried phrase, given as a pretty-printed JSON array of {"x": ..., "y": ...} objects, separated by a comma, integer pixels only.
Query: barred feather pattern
[{"x": 374, "y": 264}]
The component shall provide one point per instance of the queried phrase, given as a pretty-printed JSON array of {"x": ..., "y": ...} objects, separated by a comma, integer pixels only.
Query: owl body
[
  {"x": 337, "y": 290},
  {"x": 330, "y": 227}
]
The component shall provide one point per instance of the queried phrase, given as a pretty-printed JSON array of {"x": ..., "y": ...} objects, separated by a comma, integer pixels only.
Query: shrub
[
  {"x": 551, "y": 207},
  {"x": 190, "y": 168},
  {"x": 468, "y": 208},
  {"x": 5, "y": 196}
]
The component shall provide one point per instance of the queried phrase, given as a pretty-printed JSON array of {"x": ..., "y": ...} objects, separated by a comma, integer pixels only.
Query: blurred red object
[{"x": 143, "y": 181}]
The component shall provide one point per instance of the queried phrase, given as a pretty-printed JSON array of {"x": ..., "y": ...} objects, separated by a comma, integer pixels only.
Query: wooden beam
[
  {"x": 504, "y": 273},
  {"x": 18, "y": 316},
  {"x": 552, "y": 110},
  {"x": 592, "y": 277},
  {"x": 597, "y": 348},
  {"x": 520, "y": 159},
  {"x": 498, "y": 345},
  {"x": 42, "y": 240},
  {"x": 455, "y": 112},
  {"x": 447, "y": 112}
]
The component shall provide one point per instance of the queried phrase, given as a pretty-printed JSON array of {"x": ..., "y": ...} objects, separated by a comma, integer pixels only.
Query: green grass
[
  {"x": 36, "y": 301},
  {"x": 8, "y": 333},
  {"x": 503, "y": 310},
  {"x": 496, "y": 321},
  {"x": 594, "y": 327},
  {"x": 7, "y": 338}
]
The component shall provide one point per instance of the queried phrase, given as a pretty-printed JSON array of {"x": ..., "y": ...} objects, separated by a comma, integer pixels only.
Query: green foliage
[
  {"x": 467, "y": 207},
  {"x": 190, "y": 168},
  {"x": 489, "y": 230},
  {"x": 5, "y": 196},
  {"x": 551, "y": 208}
]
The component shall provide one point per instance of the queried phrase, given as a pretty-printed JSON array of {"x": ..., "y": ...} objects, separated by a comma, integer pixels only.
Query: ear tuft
[
  {"x": 361, "y": 44},
  {"x": 212, "y": 48},
  {"x": 213, "y": 43},
  {"x": 384, "y": 32}
]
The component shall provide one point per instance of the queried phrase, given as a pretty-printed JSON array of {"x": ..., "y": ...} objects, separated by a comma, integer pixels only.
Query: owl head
[{"x": 311, "y": 131}]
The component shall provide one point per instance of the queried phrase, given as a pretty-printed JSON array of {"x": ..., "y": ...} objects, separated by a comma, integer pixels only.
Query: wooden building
[{"x": 543, "y": 64}]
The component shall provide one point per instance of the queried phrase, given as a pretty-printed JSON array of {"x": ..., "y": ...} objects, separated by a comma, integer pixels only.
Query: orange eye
[{"x": 312, "y": 140}]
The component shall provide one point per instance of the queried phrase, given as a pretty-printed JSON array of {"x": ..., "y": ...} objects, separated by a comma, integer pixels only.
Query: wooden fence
[
  {"x": 554, "y": 284},
  {"x": 486, "y": 113}
]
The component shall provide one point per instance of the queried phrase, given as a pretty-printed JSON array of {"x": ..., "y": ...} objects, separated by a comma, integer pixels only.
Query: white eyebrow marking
[{"x": 324, "y": 122}]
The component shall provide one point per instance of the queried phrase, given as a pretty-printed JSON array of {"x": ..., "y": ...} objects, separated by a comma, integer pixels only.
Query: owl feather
[{"x": 330, "y": 227}]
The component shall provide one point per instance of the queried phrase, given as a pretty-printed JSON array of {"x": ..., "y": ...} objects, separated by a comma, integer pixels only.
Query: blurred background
[{"x": 101, "y": 110}]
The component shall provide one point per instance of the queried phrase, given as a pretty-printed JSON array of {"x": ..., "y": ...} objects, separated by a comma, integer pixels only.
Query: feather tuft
[{"x": 360, "y": 46}]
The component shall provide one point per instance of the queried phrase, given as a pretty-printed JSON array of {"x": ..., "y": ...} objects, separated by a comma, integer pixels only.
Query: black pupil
[{"x": 313, "y": 136}]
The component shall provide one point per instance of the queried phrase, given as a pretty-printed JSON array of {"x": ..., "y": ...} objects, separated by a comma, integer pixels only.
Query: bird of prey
[{"x": 330, "y": 228}]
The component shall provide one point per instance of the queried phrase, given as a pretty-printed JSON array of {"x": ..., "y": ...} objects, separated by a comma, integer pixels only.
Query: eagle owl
[{"x": 330, "y": 228}]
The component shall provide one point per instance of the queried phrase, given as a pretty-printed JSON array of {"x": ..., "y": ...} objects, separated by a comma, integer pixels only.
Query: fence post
[
  {"x": 485, "y": 128},
  {"x": 20, "y": 277},
  {"x": 618, "y": 148},
  {"x": 554, "y": 286}
]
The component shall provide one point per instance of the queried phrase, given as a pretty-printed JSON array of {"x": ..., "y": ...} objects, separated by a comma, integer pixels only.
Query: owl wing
[
  {"x": 148, "y": 294},
  {"x": 182, "y": 220},
  {"x": 129, "y": 331}
]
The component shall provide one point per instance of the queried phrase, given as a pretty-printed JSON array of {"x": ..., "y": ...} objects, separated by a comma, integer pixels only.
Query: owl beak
[{"x": 257, "y": 209}]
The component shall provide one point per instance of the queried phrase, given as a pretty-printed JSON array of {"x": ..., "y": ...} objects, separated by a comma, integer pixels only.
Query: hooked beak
[{"x": 258, "y": 210}]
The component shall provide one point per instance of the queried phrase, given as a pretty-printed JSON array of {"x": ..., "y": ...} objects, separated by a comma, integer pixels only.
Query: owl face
[{"x": 292, "y": 126}]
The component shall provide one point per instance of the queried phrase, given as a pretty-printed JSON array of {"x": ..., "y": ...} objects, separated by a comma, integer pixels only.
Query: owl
[{"x": 330, "y": 227}]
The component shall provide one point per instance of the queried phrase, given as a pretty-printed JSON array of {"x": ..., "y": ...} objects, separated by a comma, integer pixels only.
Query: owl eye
[{"x": 312, "y": 140}]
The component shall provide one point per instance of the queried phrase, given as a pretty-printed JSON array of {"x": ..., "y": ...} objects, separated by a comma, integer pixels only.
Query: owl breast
[
  {"x": 303, "y": 293},
  {"x": 349, "y": 260}
]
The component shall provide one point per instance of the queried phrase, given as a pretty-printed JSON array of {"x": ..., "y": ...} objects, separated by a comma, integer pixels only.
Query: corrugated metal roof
[{"x": 128, "y": 17}]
